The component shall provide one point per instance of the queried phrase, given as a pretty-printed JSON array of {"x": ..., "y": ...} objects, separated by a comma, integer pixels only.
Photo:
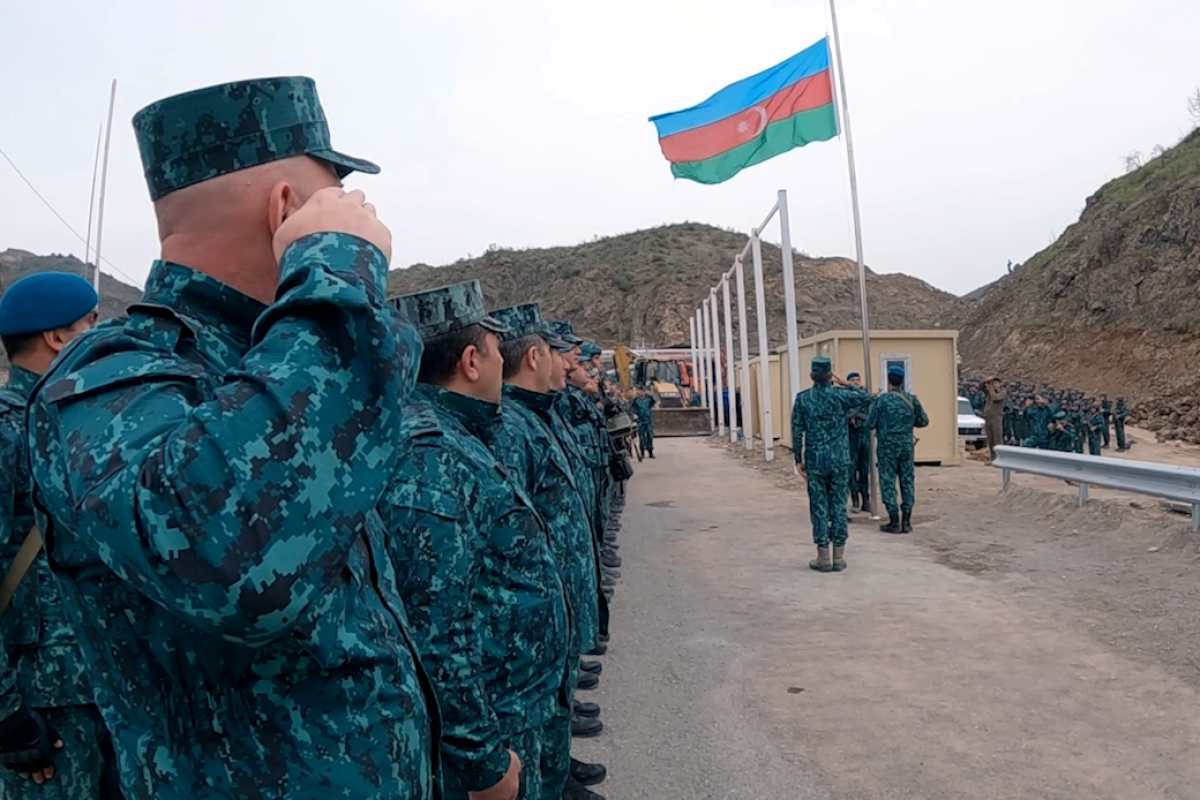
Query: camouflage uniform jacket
[
  {"x": 858, "y": 423},
  {"x": 643, "y": 408},
  {"x": 206, "y": 473},
  {"x": 1120, "y": 411},
  {"x": 529, "y": 446},
  {"x": 893, "y": 416},
  {"x": 819, "y": 415},
  {"x": 586, "y": 424},
  {"x": 480, "y": 582},
  {"x": 39, "y": 657}
]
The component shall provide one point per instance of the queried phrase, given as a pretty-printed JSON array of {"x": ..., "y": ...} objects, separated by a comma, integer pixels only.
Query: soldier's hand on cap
[
  {"x": 28, "y": 744},
  {"x": 509, "y": 786},
  {"x": 334, "y": 210}
]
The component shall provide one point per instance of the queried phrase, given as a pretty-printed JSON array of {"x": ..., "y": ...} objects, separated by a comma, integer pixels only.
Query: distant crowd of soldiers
[
  {"x": 1066, "y": 420},
  {"x": 274, "y": 536}
]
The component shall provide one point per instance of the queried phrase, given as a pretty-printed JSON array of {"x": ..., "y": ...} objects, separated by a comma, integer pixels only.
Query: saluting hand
[{"x": 333, "y": 210}]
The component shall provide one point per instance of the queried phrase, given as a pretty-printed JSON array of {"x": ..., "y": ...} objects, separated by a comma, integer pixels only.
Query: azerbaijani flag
[{"x": 787, "y": 106}]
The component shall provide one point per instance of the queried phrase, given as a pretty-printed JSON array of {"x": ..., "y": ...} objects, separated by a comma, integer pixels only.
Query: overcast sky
[{"x": 980, "y": 128}]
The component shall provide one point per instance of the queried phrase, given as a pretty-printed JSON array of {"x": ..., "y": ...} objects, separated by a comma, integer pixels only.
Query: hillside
[
  {"x": 1113, "y": 305},
  {"x": 641, "y": 288},
  {"x": 115, "y": 296}
]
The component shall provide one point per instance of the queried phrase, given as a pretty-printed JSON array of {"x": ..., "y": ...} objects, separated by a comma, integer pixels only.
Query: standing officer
[
  {"x": 860, "y": 453},
  {"x": 1120, "y": 413},
  {"x": 893, "y": 416},
  {"x": 993, "y": 412},
  {"x": 1096, "y": 425},
  {"x": 1106, "y": 409},
  {"x": 478, "y": 573},
  {"x": 822, "y": 455},
  {"x": 643, "y": 405},
  {"x": 206, "y": 473},
  {"x": 44, "y": 690}
]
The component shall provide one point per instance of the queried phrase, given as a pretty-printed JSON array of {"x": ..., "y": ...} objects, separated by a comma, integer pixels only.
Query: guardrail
[{"x": 1181, "y": 484}]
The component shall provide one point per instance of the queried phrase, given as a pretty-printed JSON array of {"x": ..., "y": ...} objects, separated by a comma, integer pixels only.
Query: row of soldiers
[
  {"x": 1066, "y": 420},
  {"x": 832, "y": 425},
  {"x": 276, "y": 536}
]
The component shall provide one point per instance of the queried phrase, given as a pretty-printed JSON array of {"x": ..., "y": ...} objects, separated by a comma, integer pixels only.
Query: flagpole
[
  {"x": 858, "y": 243},
  {"x": 87, "y": 244},
  {"x": 112, "y": 100}
]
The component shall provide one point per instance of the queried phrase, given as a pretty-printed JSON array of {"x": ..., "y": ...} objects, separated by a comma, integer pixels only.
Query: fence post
[
  {"x": 1083, "y": 493},
  {"x": 1007, "y": 476},
  {"x": 1195, "y": 517}
]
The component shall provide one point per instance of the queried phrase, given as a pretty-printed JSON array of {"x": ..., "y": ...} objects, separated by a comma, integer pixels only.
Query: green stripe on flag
[{"x": 815, "y": 125}]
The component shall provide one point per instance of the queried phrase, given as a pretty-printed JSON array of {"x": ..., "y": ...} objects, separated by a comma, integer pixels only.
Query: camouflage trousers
[
  {"x": 828, "y": 491},
  {"x": 85, "y": 768},
  {"x": 896, "y": 465},
  {"x": 1119, "y": 431},
  {"x": 1094, "y": 443},
  {"x": 646, "y": 437},
  {"x": 860, "y": 463}
]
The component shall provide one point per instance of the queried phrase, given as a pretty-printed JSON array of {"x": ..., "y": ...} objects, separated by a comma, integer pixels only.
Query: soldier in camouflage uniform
[
  {"x": 1062, "y": 433},
  {"x": 478, "y": 570},
  {"x": 822, "y": 452},
  {"x": 45, "y": 696},
  {"x": 531, "y": 447},
  {"x": 1119, "y": 415},
  {"x": 1106, "y": 409},
  {"x": 206, "y": 473},
  {"x": 1095, "y": 430},
  {"x": 643, "y": 407},
  {"x": 860, "y": 454},
  {"x": 894, "y": 415}
]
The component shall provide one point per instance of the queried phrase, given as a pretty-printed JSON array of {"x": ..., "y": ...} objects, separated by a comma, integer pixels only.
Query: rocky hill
[
  {"x": 641, "y": 288},
  {"x": 1114, "y": 304},
  {"x": 115, "y": 296}
]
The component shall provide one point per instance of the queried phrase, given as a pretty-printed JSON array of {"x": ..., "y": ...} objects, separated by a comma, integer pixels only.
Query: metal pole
[
  {"x": 87, "y": 245},
  {"x": 706, "y": 319},
  {"x": 719, "y": 396},
  {"x": 112, "y": 100},
  {"x": 693, "y": 376},
  {"x": 729, "y": 380},
  {"x": 744, "y": 342},
  {"x": 764, "y": 355},
  {"x": 700, "y": 387},
  {"x": 789, "y": 295},
  {"x": 858, "y": 244}
]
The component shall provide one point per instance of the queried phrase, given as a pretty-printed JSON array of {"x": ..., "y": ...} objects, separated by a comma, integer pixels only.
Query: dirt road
[{"x": 1014, "y": 646}]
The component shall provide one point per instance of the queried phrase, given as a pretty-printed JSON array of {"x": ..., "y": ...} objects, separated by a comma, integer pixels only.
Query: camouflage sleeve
[
  {"x": 11, "y": 454},
  {"x": 921, "y": 419},
  {"x": 431, "y": 517},
  {"x": 856, "y": 397},
  {"x": 235, "y": 507},
  {"x": 798, "y": 430},
  {"x": 873, "y": 416}
]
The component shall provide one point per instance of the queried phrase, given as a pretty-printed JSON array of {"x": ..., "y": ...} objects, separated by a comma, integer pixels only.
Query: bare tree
[
  {"x": 1158, "y": 150},
  {"x": 1193, "y": 104},
  {"x": 1133, "y": 161}
]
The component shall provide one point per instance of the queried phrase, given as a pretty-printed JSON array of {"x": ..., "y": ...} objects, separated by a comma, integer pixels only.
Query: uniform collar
[
  {"x": 534, "y": 400},
  {"x": 200, "y": 297},
  {"x": 21, "y": 381},
  {"x": 477, "y": 416}
]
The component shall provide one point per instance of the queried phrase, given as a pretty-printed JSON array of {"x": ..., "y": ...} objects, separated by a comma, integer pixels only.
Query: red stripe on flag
[{"x": 737, "y": 129}]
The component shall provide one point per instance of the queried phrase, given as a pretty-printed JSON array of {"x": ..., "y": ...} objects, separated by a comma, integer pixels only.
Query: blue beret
[
  {"x": 897, "y": 371},
  {"x": 45, "y": 301},
  {"x": 852, "y": 376}
]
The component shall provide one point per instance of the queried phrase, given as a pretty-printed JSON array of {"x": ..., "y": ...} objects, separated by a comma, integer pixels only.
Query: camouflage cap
[
  {"x": 448, "y": 309},
  {"x": 563, "y": 330},
  {"x": 589, "y": 350},
  {"x": 822, "y": 365},
  {"x": 526, "y": 320},
  {"x": 196, "y": 136}
]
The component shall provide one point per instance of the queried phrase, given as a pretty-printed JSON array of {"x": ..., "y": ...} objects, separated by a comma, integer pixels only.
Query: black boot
[
  {"x": 652, "y": 452},
  {"x": 587, "y": 680},
  {"x": 594, "y": 667},
  {"x": 893, "y": 525},
  {"x": 586, "y": 727},
  {"x": 906, "y": 523},
  {"x": 584, "y": 709},
  {"x": 610, "y": 559},
  {"x": 575, "y": 790},
  {"x": 600, "y": 649},
  {"x": 587, "y": 774},
  {"x": 854, "y": 504},
  {"x": 865, "y": 505}
]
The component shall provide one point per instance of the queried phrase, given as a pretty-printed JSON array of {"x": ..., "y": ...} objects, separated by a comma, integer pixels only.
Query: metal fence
[{"x": 1181, "y": 484}]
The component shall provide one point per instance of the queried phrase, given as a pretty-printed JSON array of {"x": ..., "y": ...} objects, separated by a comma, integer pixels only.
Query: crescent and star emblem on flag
[{"x": 759, "y": 114}]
